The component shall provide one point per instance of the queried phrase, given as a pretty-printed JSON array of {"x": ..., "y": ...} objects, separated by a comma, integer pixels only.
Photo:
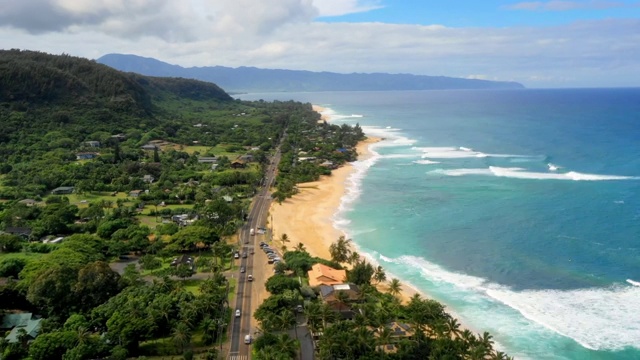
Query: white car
[{"x": 237, "y": 312}]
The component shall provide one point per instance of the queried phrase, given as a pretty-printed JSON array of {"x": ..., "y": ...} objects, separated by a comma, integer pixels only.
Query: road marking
[{"x": 237, "y": 357}]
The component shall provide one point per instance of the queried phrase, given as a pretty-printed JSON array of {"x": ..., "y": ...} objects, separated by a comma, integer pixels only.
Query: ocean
[{"x": 518, "y": 209}]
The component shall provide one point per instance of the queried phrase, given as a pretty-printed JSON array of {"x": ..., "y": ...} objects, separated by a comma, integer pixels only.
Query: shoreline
[{"x": 308, "y": 216}]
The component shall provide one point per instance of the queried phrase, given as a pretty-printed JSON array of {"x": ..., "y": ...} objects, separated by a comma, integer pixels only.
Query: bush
[{"x": 11, "y": 267}]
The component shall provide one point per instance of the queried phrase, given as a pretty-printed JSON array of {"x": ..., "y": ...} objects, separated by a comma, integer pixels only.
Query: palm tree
[
  {"x": 181, "y": 336},
  {"x": 379, "y": 275},
  {"x": 300, "y": 247},
  {"x": 342, "y": 298},
  {"x": 395, "y": 287},
  {"x": 340, "y": 250},
  {"x": 284, "y": 239},
  {"x": 287, "y": 346},
  {"x": 453, "y": 327},
  {"x": 327, "y": 315}
]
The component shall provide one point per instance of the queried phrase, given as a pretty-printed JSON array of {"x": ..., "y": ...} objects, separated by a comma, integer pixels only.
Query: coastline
[{"x": 307, "y": 217}]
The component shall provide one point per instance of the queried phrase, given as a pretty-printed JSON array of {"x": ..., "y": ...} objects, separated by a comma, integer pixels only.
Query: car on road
[
  {"x": 299, "y": 308},
  {"x": 236, "y": 256},
  {"x": 250, "y": 277},
  {"x": 242, "y": 269},
  {"x": 268, "y": 250},
  {"x": 251, "y": 252},
  {"x": 237, "y": 312},
  {"x": 244, "y": 255},
  {"x": 247, "y": 339}
]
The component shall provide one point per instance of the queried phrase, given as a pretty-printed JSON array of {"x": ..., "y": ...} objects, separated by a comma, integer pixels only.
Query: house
[
  {"x": 214, "y": 166},
  {"x": 95, "y": 144},
  {"x": 135, "y": 193},
  {"x": 184, "y": 219},
  {"x": 19, "y": 231},
  {"x": 207, "y": 159},
  {"x": 238, "y": 164},
  {"x": 119, "y": 137},
  {"x": 17, "y": 322},
  {"x": 246, "y": 158},
  {"x": 397, "y": 331},
  {"x": 150, "y": 147},
  {"x": 328, "y": 164},
  {"x": 148, "y": 178},
  {"x": 329, "y": 295},
  {"x": 227, "y": 198},
  {"x": 62, "y": 190},
  {"x": 321, "y": 274},
  {"x": 86, "y": 156},
  {"x": 28, "y": 202},
  {"x": 309, "y": 158}
]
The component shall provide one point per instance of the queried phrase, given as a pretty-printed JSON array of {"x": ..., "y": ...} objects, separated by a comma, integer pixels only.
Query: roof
[
  {"x": 326, "y": 275},
  {"x": 12, "y": 320},
  {"x": 32, "y": 328},
  {"x": 64, "y": 188},
  {"x": 328, "y": 292},
  {"x": 27, "y": 201}
]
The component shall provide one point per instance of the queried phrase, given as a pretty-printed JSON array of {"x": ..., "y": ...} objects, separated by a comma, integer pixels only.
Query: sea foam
[
  {"x": 520, "y": 173},
  {"x": 596, "y": 318}
]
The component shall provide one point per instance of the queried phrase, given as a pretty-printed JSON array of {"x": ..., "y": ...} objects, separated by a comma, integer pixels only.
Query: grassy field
[
  {"x": 20, "y": 255},
  {"x": 83, "y": 200},
  {"x": 218, "y": 150}
]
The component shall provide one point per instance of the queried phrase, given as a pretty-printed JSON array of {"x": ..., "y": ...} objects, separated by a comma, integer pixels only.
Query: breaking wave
[
  {"x": 596, "y": 318},
  {"x": 520, "y": 173}
]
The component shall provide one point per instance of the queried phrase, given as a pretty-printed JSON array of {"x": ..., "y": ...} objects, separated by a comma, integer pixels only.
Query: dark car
[
  {"x": 242, "y": 269},
  {"x": 244, "y": 255}
]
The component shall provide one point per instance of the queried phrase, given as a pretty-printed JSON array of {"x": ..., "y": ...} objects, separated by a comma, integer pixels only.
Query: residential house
[
  {"x": 227, "y": 198},
  {"x": 19, "y": 231},
  {"x": 86, "y": 156},
  {"x": 398, "y": 332},
  {"x": 238, "y": 164},
  {"x": 62, "y": 190},
  {"x": 246, "y": 158},
  {"x": 309, "y": 158},
  {"x": 328, "y": 164},
  {"x": 148, "y": 178},
  {"x": 207, "y": 159},
  {"x": 329, "y": 295},
  {"x": 28, "y": 202},
  {"x": 95, "y": 144},
  {"x": 150, "y": 147},
  {"x": 119, "y": 137},
  {"x": 135, "y": 193},
  {"x": 17, "y": 322},
  {"x": 321, "y": 274}
]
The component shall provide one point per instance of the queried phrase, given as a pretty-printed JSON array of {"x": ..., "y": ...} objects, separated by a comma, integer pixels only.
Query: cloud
[
  {"x": 558, "y": 5},
  {"x": 283, "y": 34},
  {"x": 343, "y": 7}
]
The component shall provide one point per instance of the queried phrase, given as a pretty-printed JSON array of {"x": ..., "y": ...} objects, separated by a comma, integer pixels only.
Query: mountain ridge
[{"x": 253, "y": 79}]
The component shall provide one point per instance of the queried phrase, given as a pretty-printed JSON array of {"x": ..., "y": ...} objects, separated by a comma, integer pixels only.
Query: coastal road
[{"x": 241, "y": 326}]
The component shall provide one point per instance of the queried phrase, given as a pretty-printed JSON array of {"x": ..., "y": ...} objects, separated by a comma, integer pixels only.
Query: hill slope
[{"x": 265, "y": 80}]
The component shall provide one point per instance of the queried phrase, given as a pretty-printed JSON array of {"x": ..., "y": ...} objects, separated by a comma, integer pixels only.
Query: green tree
[
  {"x": 52, "y": 290},
  {"x": 96, "y": 284},
  {"x": 395, "y": 287},
  {"x": 340, "y": 250},
  {"x": 361, "y": 273},
  {"x": 277, "y": 284},
  {"x": 11, "y": 267},
  {"x": 379, "y": 275},
  {"x": 10, "y": 243}
]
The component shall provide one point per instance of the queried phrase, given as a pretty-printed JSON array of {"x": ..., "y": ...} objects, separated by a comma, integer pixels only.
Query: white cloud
[
  {"x": 344, "y": 7},
  {"x": 282, "y": 34}
]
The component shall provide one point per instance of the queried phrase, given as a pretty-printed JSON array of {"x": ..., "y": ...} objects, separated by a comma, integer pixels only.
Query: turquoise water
[{"x": 517, "y": 209}]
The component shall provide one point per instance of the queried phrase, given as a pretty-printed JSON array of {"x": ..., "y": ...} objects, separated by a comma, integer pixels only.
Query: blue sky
[
  {"x": 490, "y": 13},
  {"x": 548, "y": 43}
]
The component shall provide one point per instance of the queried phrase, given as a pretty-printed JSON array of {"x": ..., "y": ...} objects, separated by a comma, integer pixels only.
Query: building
[
  {"x": 95, "y": 144},
  {"x": 397, "y": 332},
  {"x": 246, "y": 158},
  {"x": 321, "y": 274},
  {"x": 135, "y": 193},
  {"x": 238, "y": 164},
  {"x": 207, "y": 159},
  {"x": 148, "y": 178},
  {"x": 227, "y": 198},
  {"x": 62, "y": 190},
  {"x": 23, "y": 232},
  {"x": 86, "y": 156},
  {"x": 150, "y": 147},
  {"x": 17, "y": 322},
  {"x": 28, "y": 202},
  {"x": 119, "y": 137},
  {"x": 339, "y": 297}
]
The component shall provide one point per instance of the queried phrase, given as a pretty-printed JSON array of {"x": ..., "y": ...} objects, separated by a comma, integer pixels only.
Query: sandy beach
[
  {"x": 307, "y": 218},
  {"x": 322, "y": 111}
]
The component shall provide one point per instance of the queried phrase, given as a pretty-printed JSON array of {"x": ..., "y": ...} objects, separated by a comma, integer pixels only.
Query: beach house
[{"x": 321, "y": 274}]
